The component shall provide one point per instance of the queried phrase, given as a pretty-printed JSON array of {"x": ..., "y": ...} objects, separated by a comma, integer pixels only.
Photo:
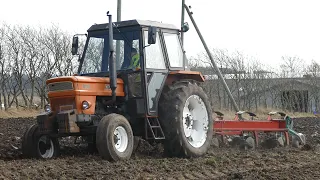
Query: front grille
[
  {"x": 60, "y": 86},
  {"x": 62, "y": 104}
]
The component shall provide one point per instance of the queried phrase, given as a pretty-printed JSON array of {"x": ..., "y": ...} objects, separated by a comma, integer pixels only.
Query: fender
[{"x": 178, "y": 75}]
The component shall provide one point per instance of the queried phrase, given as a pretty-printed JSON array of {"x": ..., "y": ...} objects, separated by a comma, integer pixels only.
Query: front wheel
[
  {"x": 35, "y": 145},
  {"x": 114, "y": 138},
  {"x": 186, "y": 117}
]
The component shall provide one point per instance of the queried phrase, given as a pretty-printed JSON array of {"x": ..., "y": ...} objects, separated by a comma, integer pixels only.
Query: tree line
[
  {"x": 294, "y": 86},
  {"x": 28, "y": 57}
]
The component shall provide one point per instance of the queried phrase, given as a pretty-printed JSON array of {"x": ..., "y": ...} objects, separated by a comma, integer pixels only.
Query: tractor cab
[{"x": 148, "y": 52}]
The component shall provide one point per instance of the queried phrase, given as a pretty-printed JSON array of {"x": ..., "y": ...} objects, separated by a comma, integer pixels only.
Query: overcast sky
[{"x": 264, "y": 29}]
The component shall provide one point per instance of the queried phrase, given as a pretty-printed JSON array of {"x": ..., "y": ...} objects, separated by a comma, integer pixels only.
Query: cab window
[
  {"x": 153, "y": 54},
  {"x": 174, "y": 50}
]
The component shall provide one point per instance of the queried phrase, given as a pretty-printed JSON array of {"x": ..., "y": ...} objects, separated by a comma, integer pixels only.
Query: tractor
[{"x": 112, "y": 100}]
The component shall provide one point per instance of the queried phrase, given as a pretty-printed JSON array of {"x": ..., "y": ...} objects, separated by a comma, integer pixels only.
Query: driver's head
[{"x": 133, "y": 52}]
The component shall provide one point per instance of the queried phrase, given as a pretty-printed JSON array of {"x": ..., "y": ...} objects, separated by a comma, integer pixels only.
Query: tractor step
[{"x": 153, "y": 128}]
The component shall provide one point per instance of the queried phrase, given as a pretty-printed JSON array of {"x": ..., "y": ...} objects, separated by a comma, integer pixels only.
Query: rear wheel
[
  {"x": 185, "y": 115},
  {"x": 35, "y": 145},
  {"x": 114, "y": 138}
]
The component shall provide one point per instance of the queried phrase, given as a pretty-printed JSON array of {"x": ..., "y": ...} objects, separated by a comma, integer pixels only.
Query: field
[{"x": 148, "y": 163}]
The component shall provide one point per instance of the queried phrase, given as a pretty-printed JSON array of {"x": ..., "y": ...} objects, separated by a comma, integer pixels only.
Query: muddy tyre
[
  {"x": 185, "y": 116},
  {"x": 39, "y": 146},
  {"x": 114, "y": 138}
]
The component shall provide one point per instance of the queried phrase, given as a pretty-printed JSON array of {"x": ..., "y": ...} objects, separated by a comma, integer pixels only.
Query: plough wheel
[
  {"x": 272, "y": 141},
  {"x": 248, "y": 143},
  {"x": 281, "y": 141},
  {"x": 236, "y": 141},
  {"x": 296, "y": 143}
]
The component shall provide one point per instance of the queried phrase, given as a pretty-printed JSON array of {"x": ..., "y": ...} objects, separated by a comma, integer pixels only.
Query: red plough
[{"x": 247, "y": 131}]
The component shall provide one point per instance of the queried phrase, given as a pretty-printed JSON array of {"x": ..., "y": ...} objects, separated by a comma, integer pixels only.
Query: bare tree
[
  {"x": 291, "y": 66},
  {"x": 17, "y": 64},
  {"x": 55, "y": 57},
  {"x": 314, "y": 69},
  {"x": 2, "y": 67}
]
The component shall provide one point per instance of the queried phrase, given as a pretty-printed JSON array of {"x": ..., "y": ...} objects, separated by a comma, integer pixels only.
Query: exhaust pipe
[{"x": 112, "y": 62}]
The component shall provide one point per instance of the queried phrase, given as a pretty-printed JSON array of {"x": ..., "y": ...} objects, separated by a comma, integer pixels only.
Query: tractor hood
[
  {"x": 82, "y": 79},
  {"x": 82, "y": 86}
]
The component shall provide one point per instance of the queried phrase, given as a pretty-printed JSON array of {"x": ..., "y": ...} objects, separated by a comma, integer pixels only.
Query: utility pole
[
  {"x": 212, "y": 60},
  {"x": 182, "y": 21},
  {"x": 118, "y": 42},
  {"x": 182, "y": 36}
]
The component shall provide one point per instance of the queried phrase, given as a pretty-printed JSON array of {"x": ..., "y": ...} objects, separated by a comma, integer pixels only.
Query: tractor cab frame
[{"x": 160, "y": 53}]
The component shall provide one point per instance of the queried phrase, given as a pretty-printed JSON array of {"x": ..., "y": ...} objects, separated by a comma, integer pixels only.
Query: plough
[{"x": 245, "y": 133}]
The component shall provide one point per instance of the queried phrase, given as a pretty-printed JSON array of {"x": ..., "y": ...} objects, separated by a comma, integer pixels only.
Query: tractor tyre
[
  {"x": 185, "y": 115},
  {"x": 114, "y": 138},
  {"x": 39, "y": 146}
]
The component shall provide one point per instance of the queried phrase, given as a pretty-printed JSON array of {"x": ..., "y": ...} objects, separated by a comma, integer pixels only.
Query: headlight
[
  {"x": 47, "y": 108},
  {"x": 85, "y": 105}
]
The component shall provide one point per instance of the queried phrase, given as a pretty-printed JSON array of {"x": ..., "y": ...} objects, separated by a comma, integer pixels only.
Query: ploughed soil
[{"x": 148, "y": 161}]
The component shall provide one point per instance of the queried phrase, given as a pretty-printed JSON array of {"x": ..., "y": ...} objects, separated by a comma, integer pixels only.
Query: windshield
[{"x": 96, "y": 55}]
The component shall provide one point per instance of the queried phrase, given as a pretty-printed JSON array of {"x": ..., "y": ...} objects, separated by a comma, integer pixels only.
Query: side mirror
[
  {"x": 75, "y": 44},
  {"x": 152, "y": 35}
]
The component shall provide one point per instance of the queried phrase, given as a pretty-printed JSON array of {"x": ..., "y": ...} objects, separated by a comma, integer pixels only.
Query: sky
[{"x": 265, "y": 30}]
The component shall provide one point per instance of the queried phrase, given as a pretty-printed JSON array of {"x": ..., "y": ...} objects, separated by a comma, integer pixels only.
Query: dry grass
[{"x": 17, "y": 113}]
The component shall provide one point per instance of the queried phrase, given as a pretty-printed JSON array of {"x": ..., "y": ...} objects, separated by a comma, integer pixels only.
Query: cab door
[{"x": 155, "y": 72}]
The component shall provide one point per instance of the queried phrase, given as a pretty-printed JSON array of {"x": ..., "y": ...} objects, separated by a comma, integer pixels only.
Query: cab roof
[{"x": 135, "y": 22}]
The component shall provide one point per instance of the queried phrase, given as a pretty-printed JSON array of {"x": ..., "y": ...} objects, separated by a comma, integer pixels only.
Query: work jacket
[
  {"x": 135, "y": 61},
  {"x": 134, "y": 64}
]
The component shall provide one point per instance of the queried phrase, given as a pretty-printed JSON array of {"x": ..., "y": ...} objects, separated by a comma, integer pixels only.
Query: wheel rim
[
  {"x": 45, "y": 147},
  {"x": 195, "y": 121},
  {"x": 120, "y": 139}
]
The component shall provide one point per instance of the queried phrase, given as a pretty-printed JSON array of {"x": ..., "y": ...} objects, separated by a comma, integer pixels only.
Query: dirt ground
[{"x": 148, "y": 163}]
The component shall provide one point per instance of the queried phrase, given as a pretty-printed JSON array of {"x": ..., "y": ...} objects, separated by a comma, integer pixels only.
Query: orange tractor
[{"x": 144, "y": 91}]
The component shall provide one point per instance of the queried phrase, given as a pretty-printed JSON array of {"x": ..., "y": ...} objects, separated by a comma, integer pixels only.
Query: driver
[
  {"x": 135, "y": 59},
  {"x": 135, "y": 79}
]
